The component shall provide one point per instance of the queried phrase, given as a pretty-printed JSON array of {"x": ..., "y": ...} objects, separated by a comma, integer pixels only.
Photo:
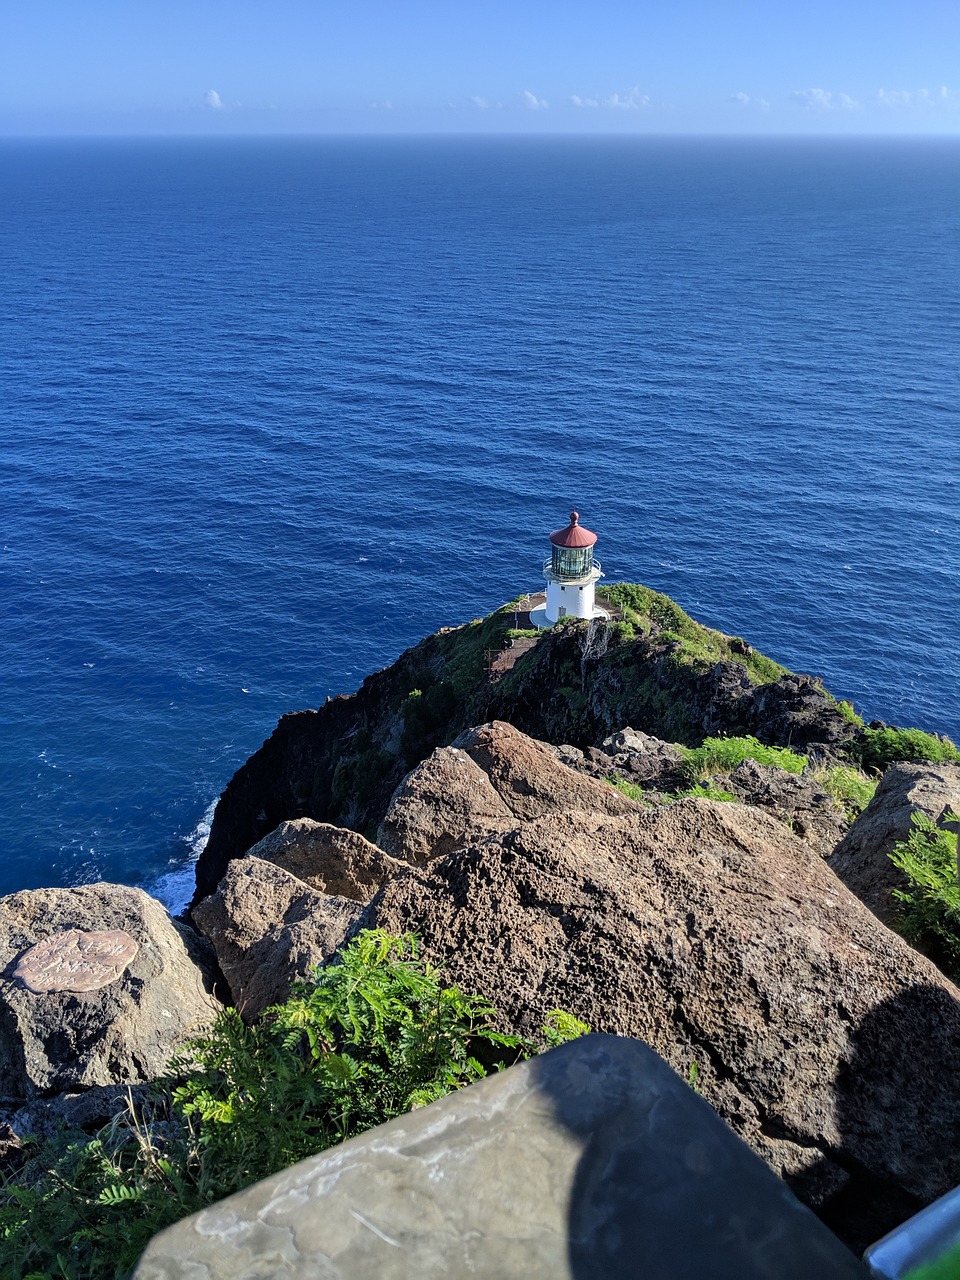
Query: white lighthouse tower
[{"x": 571, "y": 574}]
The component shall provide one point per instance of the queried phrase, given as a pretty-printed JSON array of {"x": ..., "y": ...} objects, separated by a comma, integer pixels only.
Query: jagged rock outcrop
[
  {"x": 342, "y": 763},
  {"x": 268, "y": 928},
  {"x": 117, "y": 986},
  {"x": 795, "y": 799},
  {"x": 862, "y": 858},
  {"x": 641, "y": 756},
  {"x": 491, "y": 778},
  {"x": 331, "y": 859},
  {"x": 445, "y": 801},
  {"x": 710, "y": 931}
]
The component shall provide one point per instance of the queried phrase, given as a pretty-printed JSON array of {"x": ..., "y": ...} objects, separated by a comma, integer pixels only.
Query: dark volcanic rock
[
  {"x": 114, "y": 1029},
  {"x": 861, "y": 860},
  {"x": 793, "y": 798},
  {"x": 710, "y": 931}
]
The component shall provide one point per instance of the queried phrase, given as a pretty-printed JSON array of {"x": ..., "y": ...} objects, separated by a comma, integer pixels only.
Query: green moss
[
  {"x": 647, "y": 612},
  {"x": 849, "y": 714}
]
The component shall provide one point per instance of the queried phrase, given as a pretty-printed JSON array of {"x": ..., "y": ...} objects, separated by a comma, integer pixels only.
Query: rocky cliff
[{"x": 652, "y": 667}]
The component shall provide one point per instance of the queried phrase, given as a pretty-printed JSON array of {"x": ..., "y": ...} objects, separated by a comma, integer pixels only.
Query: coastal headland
[{"x": 638, "y": 820}]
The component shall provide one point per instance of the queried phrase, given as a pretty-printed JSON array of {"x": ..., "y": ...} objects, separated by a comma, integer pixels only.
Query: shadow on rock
[{"x": 897, "y": 1110}]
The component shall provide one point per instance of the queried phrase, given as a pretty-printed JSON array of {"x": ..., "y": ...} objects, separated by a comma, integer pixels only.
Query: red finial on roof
[{"x": 574, "y": 535}]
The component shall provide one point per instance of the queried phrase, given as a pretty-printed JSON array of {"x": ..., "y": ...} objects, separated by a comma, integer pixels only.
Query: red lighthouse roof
[{"x": 574, "y": 535}]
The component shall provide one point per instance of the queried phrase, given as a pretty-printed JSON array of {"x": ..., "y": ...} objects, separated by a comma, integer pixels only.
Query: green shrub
[
  {"x": 367, "y": 1039},
  {"x": 929, "y": 910},
  {"x": 722, "y": 755},
  {"x": 878, "y": 748},
  {"x": 849, "y": 714}
]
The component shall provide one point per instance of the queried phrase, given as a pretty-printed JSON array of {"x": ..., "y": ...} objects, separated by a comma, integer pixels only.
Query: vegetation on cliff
[
  {"x": 653, "y": 667},
  {"x": 929, "y": 909},
  {"x": 372, "y": 1036}
]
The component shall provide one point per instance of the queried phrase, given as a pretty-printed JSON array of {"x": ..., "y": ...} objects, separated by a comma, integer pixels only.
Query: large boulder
[
  {"x": 444, "y": 802},
  {"x": 593, "y": 1160},
  {"x": 713, "y": 933},
  {"x": 862, "y": 859},
  {"x": 268, "y": 929},
  {"x": 331, "y": 859},
  {"x": 491, "y": 778},
  {"x": 99, "y": 986}
]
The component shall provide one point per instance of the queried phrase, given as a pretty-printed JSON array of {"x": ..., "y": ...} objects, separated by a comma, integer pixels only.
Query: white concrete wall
[{"x": 577, "y": 601}]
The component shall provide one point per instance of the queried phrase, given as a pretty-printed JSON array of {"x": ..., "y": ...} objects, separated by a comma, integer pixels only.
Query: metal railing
[{"x": 595, "y": 571}]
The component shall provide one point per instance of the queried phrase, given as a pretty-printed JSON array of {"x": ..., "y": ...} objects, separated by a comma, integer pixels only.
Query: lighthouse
[{"x": 571, "y": 574}]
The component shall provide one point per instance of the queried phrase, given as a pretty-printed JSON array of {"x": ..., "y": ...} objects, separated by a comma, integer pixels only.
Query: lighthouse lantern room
[{"x": 571, "y": 574}]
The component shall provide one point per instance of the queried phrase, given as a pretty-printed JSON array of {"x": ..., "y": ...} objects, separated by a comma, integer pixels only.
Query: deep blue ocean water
[{"x": 271, "y": 410}]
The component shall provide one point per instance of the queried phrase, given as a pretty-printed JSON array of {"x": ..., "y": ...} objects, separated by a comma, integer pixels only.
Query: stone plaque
[{"x": 76, "y": 961}]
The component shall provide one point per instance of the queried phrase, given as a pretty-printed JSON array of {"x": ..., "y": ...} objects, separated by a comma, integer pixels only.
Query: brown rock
[
  {"x": 445, "y": 801},
  {"x": 488, "y": 780},
  {"x": 330, "y": 859},
  {"x": 529, "y": 778},
  {"x": 861, "y": 860},
  {"x": 713, "y": 933},
  {"x": 116, "y": 1029},
  {"x": 268, "y": 929}
]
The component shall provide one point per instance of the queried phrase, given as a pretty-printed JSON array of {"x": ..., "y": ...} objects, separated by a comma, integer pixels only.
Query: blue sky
[{"x": 294, "y": 66}]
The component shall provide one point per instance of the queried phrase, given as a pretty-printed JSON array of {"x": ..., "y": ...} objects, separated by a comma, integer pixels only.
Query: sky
[{"x": 479, "y": 66}]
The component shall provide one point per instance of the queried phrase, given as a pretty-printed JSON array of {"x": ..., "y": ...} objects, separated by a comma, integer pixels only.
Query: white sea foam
[{"x": 175, "y": 887}]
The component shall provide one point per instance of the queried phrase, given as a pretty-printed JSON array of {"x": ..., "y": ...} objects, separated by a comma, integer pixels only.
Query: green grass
[
  {"x": 649, "y": 613},
  {"x": 722, "y": 755},
  {"x": 928, "y": 913},
  {"x": 879, "y": 748},
  {"x": 368, "y": 1039},
  {"x": 850, "y": 787},
  {"x": 634, "y": 792}
]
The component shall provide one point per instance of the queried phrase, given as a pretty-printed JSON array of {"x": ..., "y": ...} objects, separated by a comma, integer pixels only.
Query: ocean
[{"x": 273, "y": 409}]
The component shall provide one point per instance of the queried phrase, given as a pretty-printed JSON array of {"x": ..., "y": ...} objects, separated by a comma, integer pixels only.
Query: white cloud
[
  {"x": 213, "y": 100},
  {"x": 824, "y": 100},
  {"x": 744, "y": 100},
  {"x": 480, "y": 103},
  {"x": 627, "y": 100},
  {"x": 920, "y": 98},
  {"x": 531, "y": 101}
]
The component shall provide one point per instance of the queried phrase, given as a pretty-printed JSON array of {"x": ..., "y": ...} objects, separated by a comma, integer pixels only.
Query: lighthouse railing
[{"x": 595, "y": 571}]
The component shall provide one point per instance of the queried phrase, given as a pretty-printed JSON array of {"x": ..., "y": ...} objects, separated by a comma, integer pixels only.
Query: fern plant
[
  {"x": 929, "y": 909},
  {"x": 366, "y": 1039}
]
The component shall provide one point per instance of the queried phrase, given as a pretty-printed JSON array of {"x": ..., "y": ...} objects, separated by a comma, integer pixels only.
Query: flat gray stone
[
  {"x": 593, "y": 1161},
  {"x": 76, "y": 960}
]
